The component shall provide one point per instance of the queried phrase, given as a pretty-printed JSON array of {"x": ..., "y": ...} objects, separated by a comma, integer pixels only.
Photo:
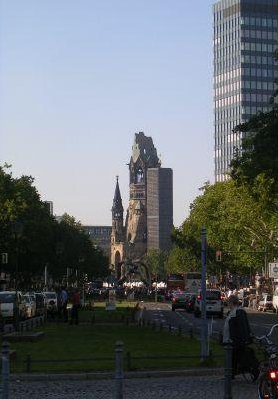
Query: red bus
[{"x": 189, "y": 282}]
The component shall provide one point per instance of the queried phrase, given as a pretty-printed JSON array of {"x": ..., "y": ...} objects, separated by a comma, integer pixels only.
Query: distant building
[
  {"x": 49, "y": 207},
  {"x": 149, "y": 219},
  {"x": 100, "y": 236},
  {"x": 245, "y": 38}
]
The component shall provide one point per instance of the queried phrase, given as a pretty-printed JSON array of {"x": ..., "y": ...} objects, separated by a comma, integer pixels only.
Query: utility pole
[{"x": 204, "y": 327}]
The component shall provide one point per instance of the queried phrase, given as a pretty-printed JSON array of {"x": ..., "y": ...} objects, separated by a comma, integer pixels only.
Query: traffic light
[{"x": 218, "y": 256}]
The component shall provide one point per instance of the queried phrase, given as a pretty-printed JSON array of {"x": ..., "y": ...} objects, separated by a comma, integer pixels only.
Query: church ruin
[{"x": 149, "y": 218}]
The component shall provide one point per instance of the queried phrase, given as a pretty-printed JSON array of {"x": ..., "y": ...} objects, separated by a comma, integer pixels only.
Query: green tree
[
  {"x": 41, "y": 240},
  {"x": 235, "y": 225},
  {"x": 155, "y": 260}
]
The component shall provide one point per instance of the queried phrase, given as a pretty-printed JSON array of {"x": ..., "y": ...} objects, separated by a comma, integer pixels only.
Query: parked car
[
  {"x": 51, "y": 301},
  {"x": 30, "y": 303},
  {"x": 179, "y": 299},
  {"x": 214, "y": 303},
  {"x": 275, "y": 300},
  {"x": 265, "y": 303},
  {"x": 190, "y": 303},
  {"x": 40, "y": 304},
  {"x": 9, "y": 302}
]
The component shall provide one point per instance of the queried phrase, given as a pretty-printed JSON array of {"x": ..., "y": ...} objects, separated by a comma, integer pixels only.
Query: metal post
[
  {"x": 228, "y": 372},
  {"x": 5, "y": 369},
  {"x": 204, "y": 328},
  {"x": 265, "y": 263},
  {"x": 119, "y": 372}
]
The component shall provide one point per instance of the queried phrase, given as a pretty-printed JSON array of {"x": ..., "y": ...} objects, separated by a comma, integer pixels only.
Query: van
[
  {"x": 275, "y": 300},
  {"x": 214, "y": 303},
  {"x": 51, "y": 301},
  {"x": 9, "y": 300}
]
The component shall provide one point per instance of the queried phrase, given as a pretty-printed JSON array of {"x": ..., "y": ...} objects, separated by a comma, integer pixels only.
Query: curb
[{"x": 127, "y": 375}]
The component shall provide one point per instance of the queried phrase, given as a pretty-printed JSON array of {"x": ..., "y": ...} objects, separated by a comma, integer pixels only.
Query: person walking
[
  {"x": 75, "y": 299},
  {"x": 64, "y": 303},
  {"x": 237, "y": 332}
]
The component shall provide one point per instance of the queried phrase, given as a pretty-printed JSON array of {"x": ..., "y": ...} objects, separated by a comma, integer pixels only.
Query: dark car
[
  {"x": 190, "y": 303},
  {"x": 179, "y": 300}
]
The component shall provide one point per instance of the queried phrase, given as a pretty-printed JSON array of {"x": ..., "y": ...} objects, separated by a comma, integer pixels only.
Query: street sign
[
  {"x": 4, "y": 258},
  {"x": 273, "y": 270}
]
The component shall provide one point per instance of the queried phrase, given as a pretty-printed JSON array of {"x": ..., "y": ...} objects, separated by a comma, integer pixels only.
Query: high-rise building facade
[
  {"x": 159, "y": 208},
  {"x": 245, "y": 38}
]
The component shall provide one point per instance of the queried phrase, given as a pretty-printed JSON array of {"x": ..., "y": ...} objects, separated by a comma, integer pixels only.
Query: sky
[{"x": 79, "y": 78}]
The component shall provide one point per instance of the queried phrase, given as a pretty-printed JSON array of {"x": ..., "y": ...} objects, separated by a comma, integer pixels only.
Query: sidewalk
[{"x": 178, "y": 387}]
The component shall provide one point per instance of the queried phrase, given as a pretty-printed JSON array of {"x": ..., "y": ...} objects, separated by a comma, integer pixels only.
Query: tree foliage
[
  {"x": 236, "y": 224},
  {"x": 31, "y": 236}
]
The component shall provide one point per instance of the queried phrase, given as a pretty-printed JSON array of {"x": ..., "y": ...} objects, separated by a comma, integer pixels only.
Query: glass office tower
[{"x": 245, "y": 38}]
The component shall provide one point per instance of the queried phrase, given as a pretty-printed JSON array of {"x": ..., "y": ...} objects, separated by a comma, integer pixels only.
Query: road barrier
[{"x": 5, "y": 369}]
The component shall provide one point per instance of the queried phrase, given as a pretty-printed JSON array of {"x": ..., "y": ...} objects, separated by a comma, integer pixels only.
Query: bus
[
  {"x": 192, "y": 282},
  {"x": 189, "y": 282},
  {"x": 175, "y": 282}
]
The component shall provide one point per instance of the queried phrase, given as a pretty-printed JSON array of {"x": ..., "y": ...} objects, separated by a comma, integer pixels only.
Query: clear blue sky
[{"x": 79, "y": 78}]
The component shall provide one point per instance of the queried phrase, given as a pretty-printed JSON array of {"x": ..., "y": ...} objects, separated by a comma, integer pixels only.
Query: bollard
[
  {"x": 228, "y": 371},
  {"x": 119, "y": 372},
  {"x": 128, "y": 361},
  {"x": 5, "y": 369},
  {"x": 28, "y": 364}
]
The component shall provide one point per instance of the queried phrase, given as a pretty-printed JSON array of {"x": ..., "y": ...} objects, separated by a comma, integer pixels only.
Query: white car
[
  {"x": 265, "y": 303},
  {"x": 30, "y": 303},
  {"x": 214, "y": 303},
  {"x": 51, "y": 301},
  {"x": 9, "y": 301}
]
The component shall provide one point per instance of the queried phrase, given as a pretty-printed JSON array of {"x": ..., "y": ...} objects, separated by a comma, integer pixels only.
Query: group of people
[{"x": 63, "y": 299}]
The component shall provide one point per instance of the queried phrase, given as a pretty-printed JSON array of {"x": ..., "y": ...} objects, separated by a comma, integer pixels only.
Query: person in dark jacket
[
  {"x": 75, "y": 299},
  {"x": 237, "y": 332}
]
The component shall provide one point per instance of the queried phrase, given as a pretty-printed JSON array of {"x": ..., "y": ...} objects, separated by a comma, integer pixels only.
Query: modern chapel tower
[{"x": 245, "y": 38}]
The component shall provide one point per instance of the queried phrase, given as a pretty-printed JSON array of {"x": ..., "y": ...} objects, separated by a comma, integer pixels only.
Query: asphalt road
[
  {"x": 162, "y": 315},
  {"x": 198, "y": 387}
]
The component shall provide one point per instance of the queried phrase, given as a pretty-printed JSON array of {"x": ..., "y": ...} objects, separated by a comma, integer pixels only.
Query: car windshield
[
  {"x": 213, "y": 295},
  {"x": 7, "y": 297},
  {"x": 179, "y": 294},
  {"x": 50, "y": 295},
  {"x": 27, "y": 298}
]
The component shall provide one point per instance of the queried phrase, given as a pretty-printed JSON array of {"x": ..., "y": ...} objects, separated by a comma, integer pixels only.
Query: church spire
[{"x": 117, "y": 208}]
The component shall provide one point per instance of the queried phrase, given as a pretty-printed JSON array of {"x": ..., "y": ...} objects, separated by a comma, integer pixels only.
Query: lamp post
[{"x": 16, "y": 228}]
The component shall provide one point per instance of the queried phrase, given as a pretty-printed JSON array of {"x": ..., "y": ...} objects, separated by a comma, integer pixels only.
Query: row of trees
[
  {"x": 240, "y": 215},
  {"x": 35, "y": 241}
]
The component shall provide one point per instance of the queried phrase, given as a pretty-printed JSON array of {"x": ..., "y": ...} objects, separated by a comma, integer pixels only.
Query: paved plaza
[{"x": 209, "y": 387}]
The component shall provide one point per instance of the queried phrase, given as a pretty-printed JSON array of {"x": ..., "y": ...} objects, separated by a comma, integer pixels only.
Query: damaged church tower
[{"x": 149, "y": 218}]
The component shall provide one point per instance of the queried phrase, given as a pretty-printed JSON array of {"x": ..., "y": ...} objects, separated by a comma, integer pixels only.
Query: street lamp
[{"x": 16, "y": 228}]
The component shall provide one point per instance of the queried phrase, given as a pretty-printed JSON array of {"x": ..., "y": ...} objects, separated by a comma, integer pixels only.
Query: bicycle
[{"x": 268, "y": 378}]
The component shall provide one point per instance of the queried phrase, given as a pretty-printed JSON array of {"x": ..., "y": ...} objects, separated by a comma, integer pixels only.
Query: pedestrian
[
  {"x": 64, "y": 303},
  {"x": 237, "y": 332},
  {"x": 75, "y": 299},
  {"x": 59, "y": 303}
]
